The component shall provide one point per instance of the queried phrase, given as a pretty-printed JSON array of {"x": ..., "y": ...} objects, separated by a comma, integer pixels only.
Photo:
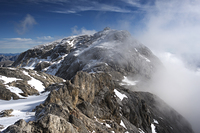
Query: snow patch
[
  {"x": 15, "y": 90},
  {"x": 22, "y": 109},
  {"x": 155, "y": 121},
  {"x": 120, "y": 95},
  {"x": 122, "y": 124},
  {"x": 38, "y": 85},
  {"x": 126, "y": 81},
  {"x": 108, "y": 125},
  {"x": 144, "y": 58},
  {"x": 8, "y": 79},
  {"x": 153, "y": 128},
  {"x": 140, "y": 130}
]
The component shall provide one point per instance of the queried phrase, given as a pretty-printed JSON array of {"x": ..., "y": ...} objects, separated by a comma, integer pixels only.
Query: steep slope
[{"x": 112, "y": 51}]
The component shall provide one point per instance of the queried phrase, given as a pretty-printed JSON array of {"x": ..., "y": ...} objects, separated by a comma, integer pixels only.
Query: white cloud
[
  {"x": 92, "y": 6},
  {"x": 19, "y": 39},
  {"x": 26, "y": 24},
  {"x": 179, "y": 87},
  {"x": 45, "y": 38},
  {"x": 82, "y": 31},
  {"x": 173, "y": 26}
]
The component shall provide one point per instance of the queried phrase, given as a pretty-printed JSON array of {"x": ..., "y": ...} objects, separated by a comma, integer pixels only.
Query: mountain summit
[
  {"x": 112, "y": 51},
  {"x": 95, "y": 91}
]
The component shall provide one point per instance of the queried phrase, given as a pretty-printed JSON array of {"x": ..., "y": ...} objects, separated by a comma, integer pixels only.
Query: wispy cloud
[
  {"x": 93, "y": 7},
  {"x": 82, "y": 31},
  {"x": 20, "y": 44},
  {"x": 26, "y": 24},
  {"x": 45, "y": 38},
  {"x": 19, "y": 39}
]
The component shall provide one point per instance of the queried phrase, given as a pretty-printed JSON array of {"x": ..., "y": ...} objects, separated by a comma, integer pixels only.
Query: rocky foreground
[{"x": 93, "y": 103}]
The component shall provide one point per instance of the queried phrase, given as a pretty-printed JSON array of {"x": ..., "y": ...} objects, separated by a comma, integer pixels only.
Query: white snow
[
  {"x": 144, "y": 58},
  {"x": 15, "y": 90},
  {"x": 155, "y": 121},
  {"x": 122, "y": 124},
  {"x": 108, "y": 125},
  {"x": 22, "y": 109},
  {"x": 120, "y": 95},
  {"x": 126, "y": 81},
  {"x": 38, "y": 85},
  {"x": 8, "y": 79},
  {"x": 140, "y": 130},
  {"x": 153, "y": 128}
]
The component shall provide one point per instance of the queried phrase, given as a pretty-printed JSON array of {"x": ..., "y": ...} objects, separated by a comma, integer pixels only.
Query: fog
[
  {"x": 171, "y": 29},
  {"x": 179, "y": 87}
]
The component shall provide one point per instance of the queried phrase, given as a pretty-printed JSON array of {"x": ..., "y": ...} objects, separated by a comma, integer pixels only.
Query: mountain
[
  {"x": 89, "y": 85},
  {"x": 7, "y": 59},
  {"x": 112, "y": 51}
]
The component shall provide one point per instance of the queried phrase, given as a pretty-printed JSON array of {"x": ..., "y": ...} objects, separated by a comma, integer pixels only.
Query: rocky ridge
[
  {"x": 91, "y": 103},
  {"x": 16, "y": 83},
  {"x": 111, "y": 51}
]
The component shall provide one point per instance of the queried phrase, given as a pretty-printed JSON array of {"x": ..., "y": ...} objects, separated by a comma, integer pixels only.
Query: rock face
[
  {"x": 92, "y": 97},
  {"x": 18, "y": 83},
  {"x": 91, "y": 103}
]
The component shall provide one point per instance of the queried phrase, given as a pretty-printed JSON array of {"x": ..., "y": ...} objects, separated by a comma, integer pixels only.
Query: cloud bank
[{"x": 171, "y": 29}]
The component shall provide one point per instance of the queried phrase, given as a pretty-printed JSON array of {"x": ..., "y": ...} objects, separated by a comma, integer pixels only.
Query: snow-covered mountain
[
  {"x": 112, "y": 51},
  {"x": 92, "y": 89}
]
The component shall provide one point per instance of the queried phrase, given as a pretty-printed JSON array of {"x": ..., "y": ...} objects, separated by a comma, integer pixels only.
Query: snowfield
[{"x": 22, "y": 109}]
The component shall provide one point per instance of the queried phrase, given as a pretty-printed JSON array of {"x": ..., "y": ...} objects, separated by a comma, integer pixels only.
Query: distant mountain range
[{"x": 6, "y": 59}]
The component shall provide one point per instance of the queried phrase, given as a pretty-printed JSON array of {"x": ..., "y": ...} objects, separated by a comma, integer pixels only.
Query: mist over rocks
[{"x": 92, "y": 90}]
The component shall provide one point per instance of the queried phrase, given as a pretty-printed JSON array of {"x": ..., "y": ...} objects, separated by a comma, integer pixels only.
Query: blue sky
[
  {"x": 26, "y": 23},
  {"x": 159, "y": 24}
]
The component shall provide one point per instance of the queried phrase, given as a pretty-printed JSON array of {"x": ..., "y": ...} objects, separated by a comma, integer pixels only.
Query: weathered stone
[
  {"x": 6, "y": 113},
  {"x": 87, "y": 109}
]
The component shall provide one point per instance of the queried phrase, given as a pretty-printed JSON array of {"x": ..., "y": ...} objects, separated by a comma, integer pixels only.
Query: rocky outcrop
[
  {"x": 6, "y": 113},
  {"x": 23, "y": 79},
  {"x": 91, "y": 103}
]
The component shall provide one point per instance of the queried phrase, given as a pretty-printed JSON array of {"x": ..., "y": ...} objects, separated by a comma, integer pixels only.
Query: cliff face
[{"x": 92, "y": 89}]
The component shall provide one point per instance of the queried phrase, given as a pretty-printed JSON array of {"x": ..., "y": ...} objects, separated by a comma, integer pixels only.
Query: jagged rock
[
  {"x": 20, "y": 79},
  {"x": 104, "y": 113},
  {"x": 6, "y": 113},
  {"x": 1, "y": 126},
  {"x": 53, "y": 123},
  {"x": 6, "y": 94},
  {"x": 87, "y": 109},
  {"x": 41, "y": 66}
]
